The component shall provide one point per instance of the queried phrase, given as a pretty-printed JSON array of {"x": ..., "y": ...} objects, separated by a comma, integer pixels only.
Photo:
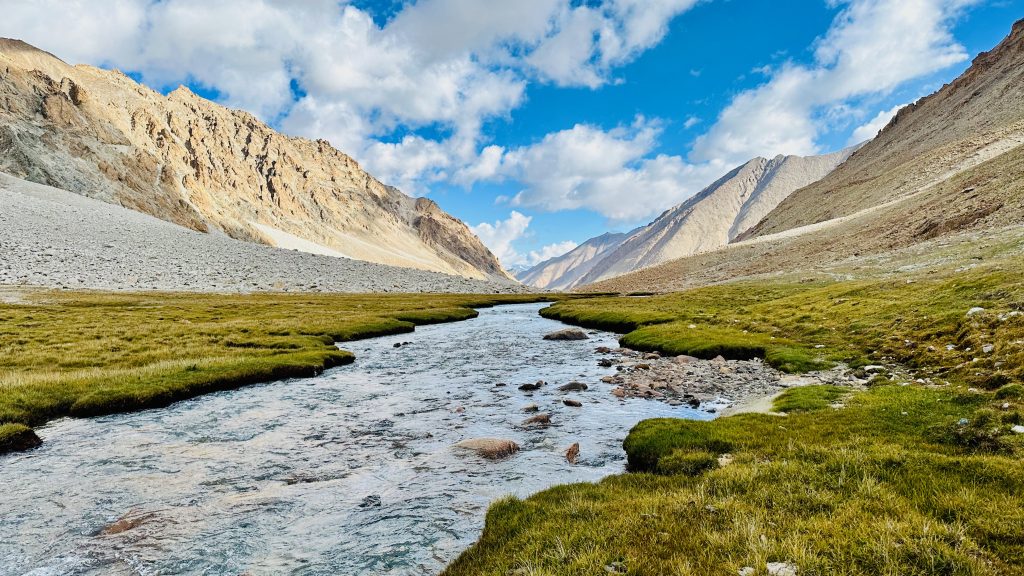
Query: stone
[
  {"x": 603, "y": 350},
  {"x": 781, "y": 569},
  {"x": 1018, "y": 429},
  {"x": 490, "y": 448},
  {"x": 568, "y": 334},
  {"x": 127, "y": 522},
  {"x": 746, "y": 571},
  {"x": 573, "y": 453},
  {"x": 573, "y": 387},
  {"x": 619, "y": 392},
  {"x": 572, "y": 403},
  {"x": 988, "y": 348},
  {"x": 529, "y": 408},
  {"x": 532, "y": 387},
  {"x": 371, "y": 501},
  {"x": 605, "y": 363},
  {"x": 538, "y": 420},
  {"x": 975, "y": 311},
  {"x": 684, "y": 359}
]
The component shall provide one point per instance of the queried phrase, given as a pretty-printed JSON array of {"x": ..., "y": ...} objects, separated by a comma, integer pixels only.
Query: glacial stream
[{"x": 351, "y": 472}]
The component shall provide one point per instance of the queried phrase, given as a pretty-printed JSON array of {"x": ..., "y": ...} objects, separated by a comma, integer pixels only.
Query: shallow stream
[{"x": 352, "y": 472}]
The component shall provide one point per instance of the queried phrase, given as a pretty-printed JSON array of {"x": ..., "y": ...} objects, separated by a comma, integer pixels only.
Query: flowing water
[{"x": 351, "y": 472}]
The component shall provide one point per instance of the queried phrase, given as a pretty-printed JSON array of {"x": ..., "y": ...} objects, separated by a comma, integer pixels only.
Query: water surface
[{"x": 352, "y": 472}]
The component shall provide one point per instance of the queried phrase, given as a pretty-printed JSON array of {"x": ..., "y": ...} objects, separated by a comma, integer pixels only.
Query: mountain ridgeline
[
  {"x": 186, "y": 160},
  {"x": 946, "y": 169},
  {"x": 705, "y": 222}
]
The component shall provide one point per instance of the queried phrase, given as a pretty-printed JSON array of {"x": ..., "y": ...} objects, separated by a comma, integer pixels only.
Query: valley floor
[
  {"x": 919, "y": 474},
  {"x": 87, "y": 354}
]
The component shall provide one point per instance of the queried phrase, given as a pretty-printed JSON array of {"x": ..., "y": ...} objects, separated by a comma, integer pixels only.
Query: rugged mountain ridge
[
  {"x": 565, "y": 271},
  {"x": 707, "y": 221},
  {"x": 948, "y": 168},
  {"x": 976, "y": 117},
  {"x": 186, "y": 160}
]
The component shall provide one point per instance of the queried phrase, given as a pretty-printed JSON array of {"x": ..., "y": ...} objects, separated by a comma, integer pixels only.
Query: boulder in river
[
  {"x": 573, "y": 453},
  {"x": 538, "y": 420},
  {"x": 531, "y": 408},
  {"x": 532, "y": 387},
  {"x": 567, "y": 334},
  {"x": 573, "y": 387},
  {"x": 127, "y": 522},
  {"x": 572, "y": 403},
  {"x": 491, "y": 448}
]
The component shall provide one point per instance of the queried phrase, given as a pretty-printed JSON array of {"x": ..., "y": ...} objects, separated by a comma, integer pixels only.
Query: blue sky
[{"x": 540, "y": 123}]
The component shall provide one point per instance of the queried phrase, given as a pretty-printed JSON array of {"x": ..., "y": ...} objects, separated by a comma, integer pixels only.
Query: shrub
[{"x": 1010, "y": 392}]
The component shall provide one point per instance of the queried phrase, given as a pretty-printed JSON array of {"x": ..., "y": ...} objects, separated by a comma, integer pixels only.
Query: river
[{"x": 351, "y": 472}]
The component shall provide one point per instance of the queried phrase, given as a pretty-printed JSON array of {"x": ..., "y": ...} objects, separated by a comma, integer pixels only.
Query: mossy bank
[
  {"x": 87, "y": 354},
  {"x": 920, "y": 474}
]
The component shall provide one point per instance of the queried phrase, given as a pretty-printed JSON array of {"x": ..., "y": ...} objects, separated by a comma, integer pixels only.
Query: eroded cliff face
[{"x": 189, "y": 161}]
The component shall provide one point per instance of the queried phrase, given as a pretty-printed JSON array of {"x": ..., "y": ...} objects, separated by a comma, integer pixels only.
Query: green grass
[
  {"x": 88, "y": 354},
  {"x": 901, "y": 478}
]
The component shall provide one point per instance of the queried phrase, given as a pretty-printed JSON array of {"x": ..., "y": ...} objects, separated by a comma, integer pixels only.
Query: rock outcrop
[{"x": 186, "y": 160}]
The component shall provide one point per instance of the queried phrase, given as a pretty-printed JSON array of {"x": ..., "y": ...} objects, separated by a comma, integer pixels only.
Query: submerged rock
[
  {"x": 491, "y": 448},
  {"x": 532, "y": 387},
  {"x": 531, "y": 408},
  {"x": 538, "y": 420},
  {"x": 573, "y": 387},
  {"x": 127, "y": 522},
  {"x": 572, "y": 403},
  {"x": 568, "y": 334},
  {"x": 573, "y": 453}
]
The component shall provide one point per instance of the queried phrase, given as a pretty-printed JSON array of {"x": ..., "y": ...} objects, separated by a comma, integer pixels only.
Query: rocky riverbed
[{"x": 710, "y": 385}]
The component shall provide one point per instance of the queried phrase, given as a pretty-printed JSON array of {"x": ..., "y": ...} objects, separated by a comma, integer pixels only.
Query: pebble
[{"x": 781, "y": 569}]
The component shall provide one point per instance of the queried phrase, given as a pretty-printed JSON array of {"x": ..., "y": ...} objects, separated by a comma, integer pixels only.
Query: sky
[{"x": 540, "y": 123}]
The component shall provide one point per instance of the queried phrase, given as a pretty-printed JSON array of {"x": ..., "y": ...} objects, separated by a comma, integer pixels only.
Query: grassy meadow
[
  {"x": 86, "y": 354},
  {"x": 919, "y": 474}
]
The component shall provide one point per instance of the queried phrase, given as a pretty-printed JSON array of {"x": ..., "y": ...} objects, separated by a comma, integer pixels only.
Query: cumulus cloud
[
  {"x": 447, "y": 65},
  {"x": 874, "y": 126},
  {"x": 500, "y": 235},
  {"x": 550, "y": 251},
  {"x": 872, "y": 47},
  {"x": 612, "y": 172}
]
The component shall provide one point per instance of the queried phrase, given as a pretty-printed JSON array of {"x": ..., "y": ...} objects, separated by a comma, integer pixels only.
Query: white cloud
[
  {"x": 445, "y": 64},
  {"x": 871, "y": 129},
  {"x": 611, "y": 172},
  {"x": 691, "y": 122},
  {"x": 872, "y": 47},
  {"x": 499, "y": 236},
  {"x": 550, "y": 251}
]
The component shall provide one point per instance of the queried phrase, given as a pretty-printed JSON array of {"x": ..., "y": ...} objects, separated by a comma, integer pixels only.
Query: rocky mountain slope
[
  {"x": 950, "y": 165},
  {"x": 977, "y": 117},
  {"x": 709, "y": 220},
  {"x": 565, "y": 271},
  {"x": 189, "y": 161},
  {"x": 56, "y": 239}
]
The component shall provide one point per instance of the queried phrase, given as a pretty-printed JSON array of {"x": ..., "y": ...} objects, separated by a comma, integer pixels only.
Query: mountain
[
  {"x": 717, "y": 214},
  {"x": 186, "y": 160},
  {"x": 976, "y": 117},
  {"x": 566, "y": 271},
  {"x": 707, "y": 221},
  {"x": 946, "y": 169}
]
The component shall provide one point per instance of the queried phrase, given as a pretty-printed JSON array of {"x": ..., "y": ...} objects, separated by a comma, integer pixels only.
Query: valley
[{"x": 227, "y": 348}]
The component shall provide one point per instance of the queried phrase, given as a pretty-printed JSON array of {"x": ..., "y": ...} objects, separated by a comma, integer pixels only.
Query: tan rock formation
[{"x": 189, "y": 161}]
